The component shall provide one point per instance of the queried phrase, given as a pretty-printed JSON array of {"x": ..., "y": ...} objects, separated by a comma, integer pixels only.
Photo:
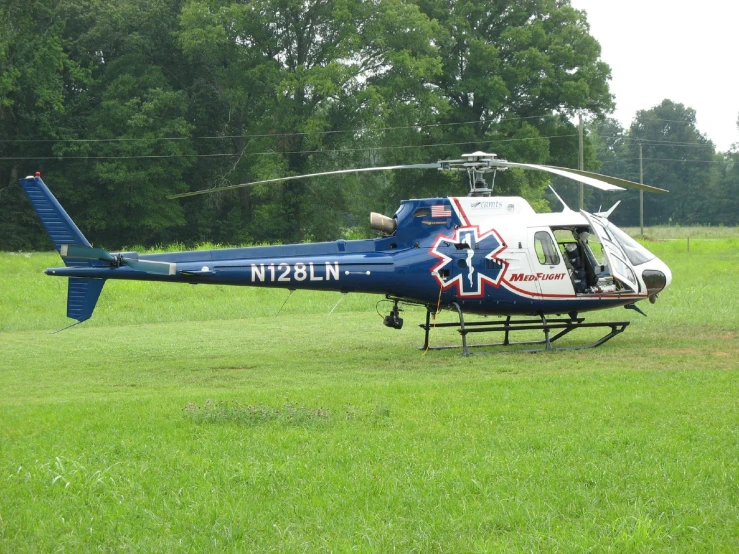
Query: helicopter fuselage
[{"x": 488, "y": 255}]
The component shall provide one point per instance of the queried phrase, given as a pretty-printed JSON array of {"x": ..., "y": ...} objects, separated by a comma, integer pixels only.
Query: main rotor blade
[
  {"x": 596, "y": 180},
  {"x": 295, "y": 177}
]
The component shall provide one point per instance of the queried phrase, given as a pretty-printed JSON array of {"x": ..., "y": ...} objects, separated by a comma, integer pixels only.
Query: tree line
[
  {"x": 120, "y": 104},
  {"x": 675, "y": 155}
]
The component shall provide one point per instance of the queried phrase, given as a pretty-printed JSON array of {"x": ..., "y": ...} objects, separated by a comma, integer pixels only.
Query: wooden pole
[
  {"x": 581, "y": 160},
  {"x": 641, "y": 192}
]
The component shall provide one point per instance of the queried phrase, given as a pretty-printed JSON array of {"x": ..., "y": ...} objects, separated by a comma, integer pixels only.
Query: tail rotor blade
[
  {"x": 147, "y": 266},
  {"x": 85, "y": 253},
  {"x": 90, "y": 253}
]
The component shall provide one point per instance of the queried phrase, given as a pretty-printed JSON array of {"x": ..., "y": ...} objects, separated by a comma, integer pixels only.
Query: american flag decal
[{"x": 441, "y": 211}]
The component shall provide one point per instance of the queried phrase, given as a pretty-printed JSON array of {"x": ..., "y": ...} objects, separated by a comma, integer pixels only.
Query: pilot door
[
  {"x": 547, "y": 264},
  {"x": 620, "y": 268}
]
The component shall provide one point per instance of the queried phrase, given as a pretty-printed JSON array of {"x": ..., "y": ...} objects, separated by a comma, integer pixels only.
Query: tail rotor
[{"x": 117, "y": 260}]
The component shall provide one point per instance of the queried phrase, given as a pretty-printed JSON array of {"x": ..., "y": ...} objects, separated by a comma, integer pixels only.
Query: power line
[
  {"x": 664, "y": 160},
  {"x": 277, "y": 135},
  {"x": 658, "y": 142},
  {"x": 143, "y": 156},
  {"x": 339, "y": 151},
  {"x": 354, "y": 150},
  {"x": 652, "y": 142},
  {"x": 273, "y": 153},
  {"x": 671, "y": 120}
]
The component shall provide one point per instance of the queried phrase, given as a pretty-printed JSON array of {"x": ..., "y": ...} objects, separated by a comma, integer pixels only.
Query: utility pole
[
  {"x": 641, "y": 192},
  {"x": 581, "y": 160}
]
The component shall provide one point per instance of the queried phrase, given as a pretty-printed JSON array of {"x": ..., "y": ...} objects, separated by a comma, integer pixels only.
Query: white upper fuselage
[{"x": 533, "y": 274}]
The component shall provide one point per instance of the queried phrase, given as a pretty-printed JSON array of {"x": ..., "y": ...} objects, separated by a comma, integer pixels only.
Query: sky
[{"x": 687, "y": 52}]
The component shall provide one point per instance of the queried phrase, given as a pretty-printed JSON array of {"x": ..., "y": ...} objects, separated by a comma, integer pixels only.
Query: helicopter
[{"x": 476, "y": 254}]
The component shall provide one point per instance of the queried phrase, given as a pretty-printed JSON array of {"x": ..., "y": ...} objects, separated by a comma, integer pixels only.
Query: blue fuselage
[{"x": 385, "y": 266}]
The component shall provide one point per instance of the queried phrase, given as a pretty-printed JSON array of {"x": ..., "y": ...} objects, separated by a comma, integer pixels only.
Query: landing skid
[{"x": 561, "y": 326}]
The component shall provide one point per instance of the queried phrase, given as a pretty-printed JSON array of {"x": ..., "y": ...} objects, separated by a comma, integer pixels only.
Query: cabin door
[
  {"x": 547, "y": 264},
  {"x": 616, "y": 259}
]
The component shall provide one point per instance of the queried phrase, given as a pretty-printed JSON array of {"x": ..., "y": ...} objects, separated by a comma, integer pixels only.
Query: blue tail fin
[
  {"x": 82, "y": 294},
  {"x": 55, "y": 220}
]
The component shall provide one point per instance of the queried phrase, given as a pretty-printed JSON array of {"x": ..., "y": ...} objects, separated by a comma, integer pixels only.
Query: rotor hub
[{"x": 477, "y": 165}]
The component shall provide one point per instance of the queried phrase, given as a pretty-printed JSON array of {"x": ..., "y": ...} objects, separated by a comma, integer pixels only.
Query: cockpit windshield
[{"x": 636, "y": 253}]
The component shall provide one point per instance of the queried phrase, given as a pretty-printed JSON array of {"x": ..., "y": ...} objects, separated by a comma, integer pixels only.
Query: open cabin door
[{"x": 617, "y": 261}]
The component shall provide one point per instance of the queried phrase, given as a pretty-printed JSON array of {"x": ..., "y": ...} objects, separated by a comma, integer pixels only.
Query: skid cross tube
[{"x": 561, "y": 327}]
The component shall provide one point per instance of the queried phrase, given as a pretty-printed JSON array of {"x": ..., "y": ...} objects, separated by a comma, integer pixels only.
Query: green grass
[
  {"x": 187, "y": 418},
  {"x": 674, "y": 232}
]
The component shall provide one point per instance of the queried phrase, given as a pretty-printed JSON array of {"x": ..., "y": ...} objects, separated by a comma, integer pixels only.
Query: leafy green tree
[
  {"x": 513, "y": 69},
  {"x": 677, "y": 157},
  {"x": 723, "y": 203},
  {"x": 608, "y": 140},
  {"x": 125, "y": 190},
  {"x": 38, "y": 83},
  {"x": 135, "y": 129},
  {"x": 321, "y": 73},
  {"x": 162, "y": 95},
  {"x": 722, "y": 207}
]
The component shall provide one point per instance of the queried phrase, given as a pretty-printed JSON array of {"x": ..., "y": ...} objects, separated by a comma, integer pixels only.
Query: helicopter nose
[
  {"x": 668, "y": 274},
  {"x": 657, "y": 277}
]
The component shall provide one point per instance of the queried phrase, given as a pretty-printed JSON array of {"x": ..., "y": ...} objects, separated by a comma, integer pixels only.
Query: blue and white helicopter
[{"x": 479, "y": 254}]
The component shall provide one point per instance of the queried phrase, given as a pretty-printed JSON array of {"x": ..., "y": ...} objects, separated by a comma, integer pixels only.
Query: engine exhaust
[{"x": 382, "y": 223}]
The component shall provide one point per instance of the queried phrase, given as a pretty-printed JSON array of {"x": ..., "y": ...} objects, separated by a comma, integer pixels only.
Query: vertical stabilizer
[
  {"x": 61, "y": 228},
  {"x": 82, "y": 294}
]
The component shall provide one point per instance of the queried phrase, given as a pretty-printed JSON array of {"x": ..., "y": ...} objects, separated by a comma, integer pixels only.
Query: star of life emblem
[{"x": 468, "y": 260}]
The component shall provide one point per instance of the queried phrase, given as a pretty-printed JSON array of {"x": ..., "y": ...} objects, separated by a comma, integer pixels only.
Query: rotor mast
[{"x": 476, "y": 165}]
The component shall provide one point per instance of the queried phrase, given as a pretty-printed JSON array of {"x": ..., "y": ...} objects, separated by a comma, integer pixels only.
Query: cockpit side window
[{"x": 546, "y": 251}]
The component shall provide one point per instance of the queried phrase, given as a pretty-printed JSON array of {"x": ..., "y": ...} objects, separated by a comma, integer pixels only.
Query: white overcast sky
[{"x": 685, "y": 51}]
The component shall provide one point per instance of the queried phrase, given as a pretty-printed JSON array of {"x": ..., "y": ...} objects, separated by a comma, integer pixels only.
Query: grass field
[
  {"x": 677, "y": 232},
  {"x": 187, "y": 418}
]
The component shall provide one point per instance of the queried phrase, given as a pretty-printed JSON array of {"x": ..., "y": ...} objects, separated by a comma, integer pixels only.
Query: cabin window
[
  {"x": 636, "y": 253},
  {"x": 421, "y": 212},
  {"x": 545, "y": 249}
]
